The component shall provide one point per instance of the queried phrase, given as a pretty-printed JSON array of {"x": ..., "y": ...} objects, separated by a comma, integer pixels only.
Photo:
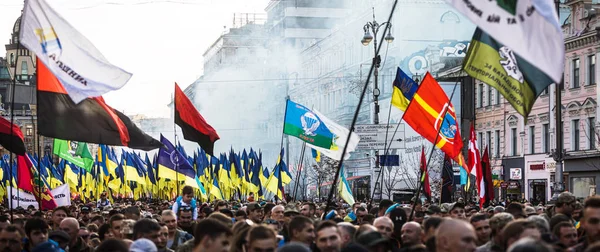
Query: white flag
[
  {"x": 72, "y": 58},
  {"x": 340, "y": 135},
  {"x": 62, "y": 195},
  {"x": 529, "y": 27},
  {"x": 22, "y": 199}
]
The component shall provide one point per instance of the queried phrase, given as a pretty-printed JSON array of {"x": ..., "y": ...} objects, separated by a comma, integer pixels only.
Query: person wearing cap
[
  {"x": 143, "y": 245},
  {"x": 103, "y": 202},
  {"x": 290, "y": 212},
  {"x": 84, "y": 214},
  {"x": 60, "y": 237},
  {"x": 255, "y": 212},
  {"x": 565, "y": 204},
  {"x": 456, "y": 210},
  {"x": 529, "y": 210},
  {"x": 186, "y": 199},
  {"x": 434, "y": 210},
  {"x": 374, "y": 241},
  {"x": 328, "y": 237}
]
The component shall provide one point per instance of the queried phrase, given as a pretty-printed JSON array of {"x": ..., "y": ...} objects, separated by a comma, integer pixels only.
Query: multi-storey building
[
  {"x": 522, "y": 151},
  {"x": 335, "y": 68},
  {"x": 17, "y": 70}
]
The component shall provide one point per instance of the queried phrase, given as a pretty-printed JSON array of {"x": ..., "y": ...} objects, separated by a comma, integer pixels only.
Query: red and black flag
[
  {"x": 193, "y": 125},
  {"x": 13, "y": 143},
  {"x": 91, "y": 120},
  {"x": 487, "y": 176}
]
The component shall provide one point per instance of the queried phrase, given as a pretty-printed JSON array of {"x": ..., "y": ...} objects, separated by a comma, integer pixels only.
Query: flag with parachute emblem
[{"x": 303, "y": 123}]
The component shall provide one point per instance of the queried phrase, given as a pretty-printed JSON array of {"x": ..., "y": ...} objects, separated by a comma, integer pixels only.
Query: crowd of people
[{"x": 185, "y": 224}]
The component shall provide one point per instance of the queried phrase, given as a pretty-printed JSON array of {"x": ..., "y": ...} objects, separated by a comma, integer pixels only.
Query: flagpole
[
  {"x": 287, "y": 98},
  {"x": 39, "y": 168},
  {"x": 299, "y": 169},
  {"x": 412, "y": 211},
  {"x": 356, "y": 112},
  {"x": 176, "y": 161}
]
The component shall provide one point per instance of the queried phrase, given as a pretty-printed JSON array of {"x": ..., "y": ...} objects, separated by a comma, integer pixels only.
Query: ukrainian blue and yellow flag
[
  {"x": 316, "y": 155},
  {"x": 274, "y": 184},
  {"x": 215, "y": 190},
  {"x": 404, "y": 90},
  {"x": 344, "y": 188},
  {"x": 132, "y": 171}
]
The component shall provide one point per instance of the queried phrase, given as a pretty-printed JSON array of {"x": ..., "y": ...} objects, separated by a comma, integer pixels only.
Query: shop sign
[
  {"x": 551, "y": 166},
  {"x": 534, "y": 167},
  {"x": 513, "y": 185},
  {"x": 515, "y": 173}
]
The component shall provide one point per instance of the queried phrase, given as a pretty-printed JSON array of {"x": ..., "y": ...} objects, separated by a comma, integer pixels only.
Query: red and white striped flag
[{"x": 474, "y": 166}]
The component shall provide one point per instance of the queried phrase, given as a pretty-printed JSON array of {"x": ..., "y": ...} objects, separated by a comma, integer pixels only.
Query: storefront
[
  {"x": 583, "y": 174},
  {"x": 513, "y": 176},
  {"x": 537, "y": 175}
]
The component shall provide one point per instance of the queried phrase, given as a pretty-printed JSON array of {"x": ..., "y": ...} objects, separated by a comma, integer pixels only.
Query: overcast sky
[{"x": 159, "y": 41}]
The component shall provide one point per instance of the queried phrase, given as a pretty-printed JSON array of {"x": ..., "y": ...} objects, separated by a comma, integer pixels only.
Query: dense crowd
[{"x": 185, "y": 224}]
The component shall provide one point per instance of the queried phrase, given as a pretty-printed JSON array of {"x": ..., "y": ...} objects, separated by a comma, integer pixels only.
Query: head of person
[
  {"x": 308, "y": 210},
  {"x": 540, "y": 223},
  {"x": 385, "y": 226},
  {"x": 36, "y": 230},
  {"x": 529, "y": 244},
  {"x": 147, "y": 229},
  {"x": 116, "y": 223},
  {"x": 240, "y": 215},
  {"x": 411, "y": 233},
  {"x": 277, "y": 213},
  {"x": 103, "y": 196},
  {"x": 186, "y": 216},
  {"x": 498, "y": 222},
  {"x": 591, "y": 218},
  {"x": 457, "y": 211},
  {"x": 59, "y": 214},
  {"x": 301, "y": 229},
  {"x": 261, "y": 238},
  {"x": 113, "y": 245},
  {"x": 211, "y": 235},
  {"x": 164, "y": 237},
  {"x": 566, "y": 233},
  {"x": 347, "y": 232},
  {"x": 84, "y": 234},
  {"x": 70, "y": 226},
  {"x": 518, "y": 229},
  {"x": 383, "y": 206},
  {"x": 455, "y": 235},
  {"x": 98, "y": 220},
  {"x": 84, "y": 213},
  {"x": 255, "y": 212},
  {"x": 430, "y": 226},
  {"x": 328, "y": 237},
  {"x": 104, "y": 232},
  {"x": 481, "y": 224},
  {"x": 517, "y": 210},
  {"x": 11, "y": 239},
  {"x": 221, "y": 205},
  {"x": 132, "y": 213},
  {"x": 565, "y": 203},
  {"x": 187, "y": 194},
  {"x": 170, "y": 220},
  {"x": 360, "y": 213}
]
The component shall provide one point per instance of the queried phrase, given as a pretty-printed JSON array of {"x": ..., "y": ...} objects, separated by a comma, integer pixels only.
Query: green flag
[
  {"x": 69, "y": 150},
  {"x": 496, "y": 65},
  {"x": 83, "y": 152}
]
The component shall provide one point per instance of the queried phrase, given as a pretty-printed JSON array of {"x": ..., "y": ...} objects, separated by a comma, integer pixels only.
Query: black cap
[
  {"x": 371, "y": 239},
  {"x": 85, "y": 209},
  {"x": 54, "y": 235}
]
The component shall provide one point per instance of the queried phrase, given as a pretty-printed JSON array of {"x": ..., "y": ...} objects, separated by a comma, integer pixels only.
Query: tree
[{"x": 322, "y": 172}]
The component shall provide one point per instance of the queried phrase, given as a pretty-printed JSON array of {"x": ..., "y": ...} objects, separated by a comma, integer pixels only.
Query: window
[
  {"x": 531, "y": 139},
  {"x": 513, "y": 143},
  {"x": 479, "y": 140},
  {"x": 489, "y": 96},
  {"x": 497, "y": 143},
  {"x": 575, "y": 73},
  {"x": 488, "y": 140},
  {"x": 575, "y": 135},
  {"x": 497, "y": 97},
  {"x": 480, "y": 96},
  {"x": 24, "y": 69},
  {"x": 591, "y": 70},
  {"x": 592, "y": 133},
  {"x": 545, "y": 138},
  {"x": 545, "y": 91},
  {"x": 581, "y": 186}
]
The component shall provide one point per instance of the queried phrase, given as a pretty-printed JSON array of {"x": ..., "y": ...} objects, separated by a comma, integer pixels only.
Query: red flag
[
  {"x": 29, "y": 180},
  {"x": 425, "y": 176},
  {"x": 193, "y": 125},
  {"x": 13, "y": 143},
  {"x": 474, "y": 166},
  {"x": 431, "y": 112},
  {"x": 487, "y": 176}
]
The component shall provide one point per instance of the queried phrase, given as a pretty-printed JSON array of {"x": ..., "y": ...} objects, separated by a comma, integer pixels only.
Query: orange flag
[{"x": 431, "y": 112}]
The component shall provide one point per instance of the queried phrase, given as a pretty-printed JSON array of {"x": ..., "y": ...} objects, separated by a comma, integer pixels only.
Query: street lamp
[{"x": 366, "y": 40}]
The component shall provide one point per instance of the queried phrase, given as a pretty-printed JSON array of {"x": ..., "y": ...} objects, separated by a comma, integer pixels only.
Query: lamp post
[{"x": 366, "y": 40}]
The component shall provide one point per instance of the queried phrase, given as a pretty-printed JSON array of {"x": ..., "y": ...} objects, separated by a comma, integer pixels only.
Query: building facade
[
  {"x": 522, "y": 150},
  {"x": 18, "y": 71}
]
